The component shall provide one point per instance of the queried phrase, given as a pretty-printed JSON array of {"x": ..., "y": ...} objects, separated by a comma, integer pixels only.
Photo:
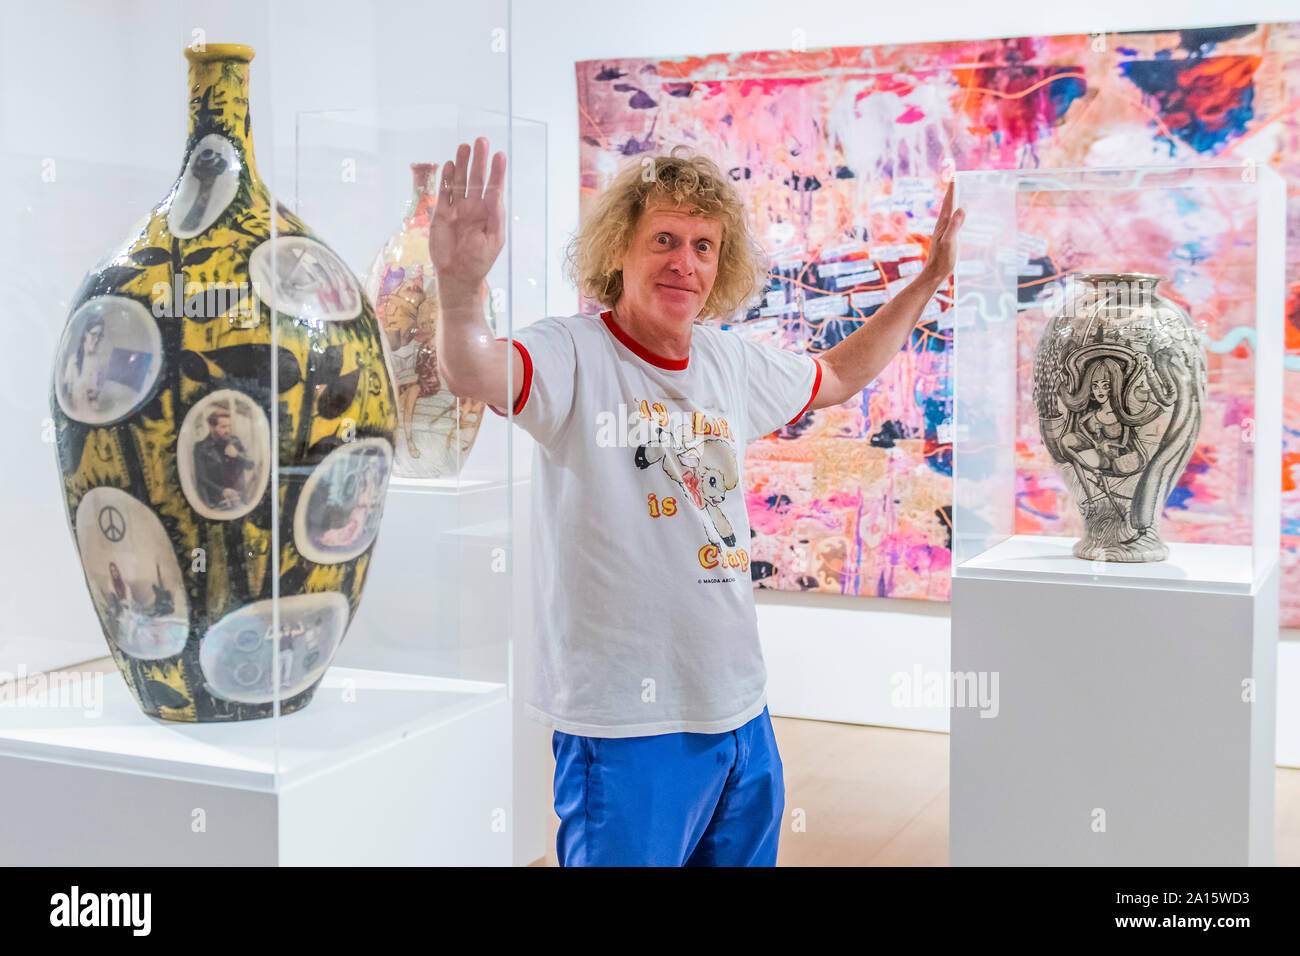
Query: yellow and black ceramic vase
[{"x": 220, "y": 396}]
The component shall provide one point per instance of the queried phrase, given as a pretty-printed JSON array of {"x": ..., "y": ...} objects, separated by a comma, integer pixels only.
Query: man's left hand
[{"x": 943, "y": 243}]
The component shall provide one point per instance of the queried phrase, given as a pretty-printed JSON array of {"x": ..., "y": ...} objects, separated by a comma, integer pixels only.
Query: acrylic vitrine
[
  {"x": 243, "y": 626},
  {"x": 1053, "y": 255},
  {"x": 1116, "y": 457}
]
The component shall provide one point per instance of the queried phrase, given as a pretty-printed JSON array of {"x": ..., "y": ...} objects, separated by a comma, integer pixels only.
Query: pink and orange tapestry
[{"x": 842, "y": 155}]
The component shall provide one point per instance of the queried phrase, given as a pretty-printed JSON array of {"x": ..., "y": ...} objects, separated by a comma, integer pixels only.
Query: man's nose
[{"x": 682, "y": 262}]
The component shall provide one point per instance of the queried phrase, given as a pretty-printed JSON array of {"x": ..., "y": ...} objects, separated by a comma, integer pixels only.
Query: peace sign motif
[{"x": 112, "y": 524}]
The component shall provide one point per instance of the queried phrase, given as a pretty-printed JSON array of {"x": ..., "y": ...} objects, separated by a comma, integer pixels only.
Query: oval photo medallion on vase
[
  {"x": 107, "y": 361},
  {"x": 1119, "y": 384},
  {"x": 162, "y": 403}
]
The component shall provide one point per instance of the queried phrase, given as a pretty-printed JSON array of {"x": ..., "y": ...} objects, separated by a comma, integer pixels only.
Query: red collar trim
[{"x": 640, "y": 351}]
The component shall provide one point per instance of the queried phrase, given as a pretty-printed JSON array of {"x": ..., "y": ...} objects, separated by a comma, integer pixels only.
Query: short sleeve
[
  {"x": 781, "y": 385},
  {"x": 550, "y": 372}
]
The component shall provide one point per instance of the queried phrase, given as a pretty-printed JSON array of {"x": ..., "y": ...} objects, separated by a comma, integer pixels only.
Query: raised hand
[
  {"x": 943, "y": 243},
  {"x": 469, "y": 219}
]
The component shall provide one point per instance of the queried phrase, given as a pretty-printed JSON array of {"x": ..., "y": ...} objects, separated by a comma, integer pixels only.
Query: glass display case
[
  {"x": 1117, "y": 375},
  {"x": 264, "y": 603},
  {"x": 1117, "y": 459}
]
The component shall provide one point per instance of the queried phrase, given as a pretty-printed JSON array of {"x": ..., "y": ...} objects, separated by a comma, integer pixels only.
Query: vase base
[
  {"x": 244, "y": 712},
  {"x": 1146, "y": 547}
]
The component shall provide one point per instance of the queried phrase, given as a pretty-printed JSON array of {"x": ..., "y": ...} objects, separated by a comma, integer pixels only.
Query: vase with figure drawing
[{"x": 1119, "y": 386}]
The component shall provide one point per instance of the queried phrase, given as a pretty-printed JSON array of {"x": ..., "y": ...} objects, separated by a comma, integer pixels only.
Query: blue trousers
[{"x": 670, "y": 799}]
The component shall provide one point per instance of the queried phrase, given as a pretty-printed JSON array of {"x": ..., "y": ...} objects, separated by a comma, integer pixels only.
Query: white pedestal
[
  {"x": 379, "y": 769},
  {"x": 1120, "y": 735},
  {"x": 437, "y": 599}
]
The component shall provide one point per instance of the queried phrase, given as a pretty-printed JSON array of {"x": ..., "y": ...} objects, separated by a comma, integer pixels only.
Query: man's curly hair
[{"x": 594, "y": 254}]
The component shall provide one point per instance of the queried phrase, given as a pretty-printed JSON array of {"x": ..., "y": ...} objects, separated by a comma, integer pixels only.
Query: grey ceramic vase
[{"x": 1119, "y": 385}]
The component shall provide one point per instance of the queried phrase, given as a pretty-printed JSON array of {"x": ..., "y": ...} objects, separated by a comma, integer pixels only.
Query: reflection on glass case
[
  {"x": 1117, "y": 343},
  {"x": 436, "y": 428}
]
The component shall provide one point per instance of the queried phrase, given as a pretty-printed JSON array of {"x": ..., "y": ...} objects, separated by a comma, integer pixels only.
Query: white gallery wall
[{"x": 828, "y": 657}]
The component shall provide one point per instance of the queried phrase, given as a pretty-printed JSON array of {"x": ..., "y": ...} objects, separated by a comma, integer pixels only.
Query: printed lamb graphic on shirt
[{"x": 706, "y": 471}]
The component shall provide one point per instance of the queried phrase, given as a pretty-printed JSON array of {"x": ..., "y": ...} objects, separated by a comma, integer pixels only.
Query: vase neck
[
  {"x": 420, "y": 206},
  {"x": 218, "y": 79},
  {"x": 1138, "y": 283}
]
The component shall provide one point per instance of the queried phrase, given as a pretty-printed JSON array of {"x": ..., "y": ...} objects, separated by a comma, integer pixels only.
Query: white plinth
[
  {"x": 379, "y": 769},
  {"x": 1189, "y": 567},
  {"x": 1121, "y": 736}
]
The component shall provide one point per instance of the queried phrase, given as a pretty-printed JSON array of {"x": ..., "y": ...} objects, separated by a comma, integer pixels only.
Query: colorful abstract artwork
[{"x": 842, "y": 155}]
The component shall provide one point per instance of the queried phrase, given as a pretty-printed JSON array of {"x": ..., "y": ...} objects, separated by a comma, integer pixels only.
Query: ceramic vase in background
[
  {"x": 165, "y": 386},
  {"x": 436, "y": 430},
  {"x": 1119, "y": 385}
]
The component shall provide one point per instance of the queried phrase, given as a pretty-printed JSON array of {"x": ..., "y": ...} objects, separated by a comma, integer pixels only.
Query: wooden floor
[{"x": 879, "y": 797}]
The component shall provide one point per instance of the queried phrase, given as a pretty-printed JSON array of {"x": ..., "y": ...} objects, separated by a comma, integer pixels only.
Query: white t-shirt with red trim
[{"x": 645, "y": 620}]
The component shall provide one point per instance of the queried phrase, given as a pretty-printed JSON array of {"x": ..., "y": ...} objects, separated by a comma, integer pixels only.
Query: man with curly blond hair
[{"x": 649, "y": 668}]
